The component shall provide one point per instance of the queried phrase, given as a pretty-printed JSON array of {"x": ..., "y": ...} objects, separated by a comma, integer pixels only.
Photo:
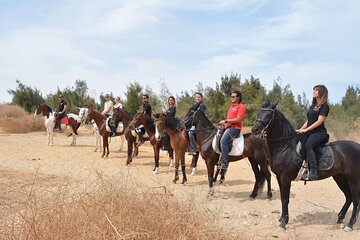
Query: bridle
[{"x": 263, "y": 134}]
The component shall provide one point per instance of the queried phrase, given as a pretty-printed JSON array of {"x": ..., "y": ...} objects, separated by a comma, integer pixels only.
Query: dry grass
[
  {"x": 13, "y": 119},
  {"x": 108, "y": 209}
]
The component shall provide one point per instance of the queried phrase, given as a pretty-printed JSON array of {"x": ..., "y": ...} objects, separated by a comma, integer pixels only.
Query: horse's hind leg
[
  {"x": 194, "y": 163},
  {"x": 354, "y": 189},
  {"x": 344, "y": 187},
  {"x": 265, "y": 171},
  {"x": 259, "y": 178},
  {"x": 183, "y": 170}
]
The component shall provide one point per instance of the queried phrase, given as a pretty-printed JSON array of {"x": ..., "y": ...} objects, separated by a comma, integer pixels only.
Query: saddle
[
  {"x": 324, "y": 156},
  {"x": 120, "y": 127},
  {"x": 236, "y": 149},
  {"x": 64, "y": 120}
]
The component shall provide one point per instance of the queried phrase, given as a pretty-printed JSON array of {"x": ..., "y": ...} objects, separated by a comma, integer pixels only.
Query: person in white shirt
[
  {"x": 108, "y": 106},
  {"x": 118, "y": 103}
]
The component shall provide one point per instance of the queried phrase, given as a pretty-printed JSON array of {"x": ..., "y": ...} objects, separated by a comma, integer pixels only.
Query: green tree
[
  {"x": 26, "y": 97},
  {"x": 133, "y": 97},
  {"x": 164, "y": 94}
]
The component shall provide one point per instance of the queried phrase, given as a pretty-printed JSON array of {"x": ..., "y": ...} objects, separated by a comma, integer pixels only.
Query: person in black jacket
[
  {"x": 170, "y": 112},
  {"x": 60, "y": 113}
]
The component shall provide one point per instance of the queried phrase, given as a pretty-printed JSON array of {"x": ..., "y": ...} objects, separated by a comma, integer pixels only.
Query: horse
[
  {"x": 255, "y": 150},
  {"x": 83, "y": 113},
  {"x": 49, "y": 119},
  {"x": 177, "y": 142},
  {"x": 141, "y": 118},
  {"x": 100, "y": 121},
  {"x": 282, "y": 140}
]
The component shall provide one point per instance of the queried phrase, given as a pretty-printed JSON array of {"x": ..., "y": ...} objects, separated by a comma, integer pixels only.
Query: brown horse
[
  {"x": 142, "y": 119},
  {"x": 282, "y": 141},
  {"x": 70, "y": 121},
  {"x": 255, "y": 150},
  {"x": 100, "y": 121},
  {"x": 177, "y": 142}
]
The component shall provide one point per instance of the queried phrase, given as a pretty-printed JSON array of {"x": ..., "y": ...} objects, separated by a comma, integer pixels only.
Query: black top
[
  {"x": 171, "y": 111},
  {"x": 201, "y": 107},
  {"x": 313, "y": 115},
  {"x": 147, "y": 109},
  {"x": 61, "y": 105}
]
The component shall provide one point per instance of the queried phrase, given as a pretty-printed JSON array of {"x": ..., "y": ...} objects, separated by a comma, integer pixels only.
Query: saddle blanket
[
  {"x": 64, "y": 120},
  {"x": 120, "y": 127},
  {"x": 237, "y": 148}
]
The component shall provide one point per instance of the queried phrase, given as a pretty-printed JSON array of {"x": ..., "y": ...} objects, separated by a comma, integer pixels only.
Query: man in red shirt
[{"x": 233, "y": 125}]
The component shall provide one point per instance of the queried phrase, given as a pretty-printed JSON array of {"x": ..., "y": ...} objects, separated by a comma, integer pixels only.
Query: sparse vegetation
[{"x": 105, "y": 209}]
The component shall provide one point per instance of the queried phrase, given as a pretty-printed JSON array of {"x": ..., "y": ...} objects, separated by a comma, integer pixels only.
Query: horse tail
[{"x": 261, "y": 179}]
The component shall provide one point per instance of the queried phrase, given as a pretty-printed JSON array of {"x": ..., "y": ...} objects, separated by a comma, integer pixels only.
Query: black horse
[
  {"x": 282, "y": 140},
  {"x": 255, "y": 150}
]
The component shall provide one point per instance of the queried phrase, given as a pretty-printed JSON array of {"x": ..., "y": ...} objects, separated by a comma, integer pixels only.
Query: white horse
[
  {"x": 71, "y": 126},
  {"x": 83, "y": 115}
]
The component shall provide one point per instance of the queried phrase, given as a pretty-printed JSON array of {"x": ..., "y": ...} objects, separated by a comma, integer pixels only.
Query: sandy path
[{"x": 313, "y": 208}]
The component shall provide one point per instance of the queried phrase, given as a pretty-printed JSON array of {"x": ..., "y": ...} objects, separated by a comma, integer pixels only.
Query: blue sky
[{"x": 50, "y": 44}]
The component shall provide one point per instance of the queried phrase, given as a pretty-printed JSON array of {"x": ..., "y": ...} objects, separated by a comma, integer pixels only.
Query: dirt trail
[{"x": 313, "y": 208}]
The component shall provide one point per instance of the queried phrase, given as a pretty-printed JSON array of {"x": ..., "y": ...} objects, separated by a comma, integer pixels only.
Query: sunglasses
[{"x": 233, "y": 96}]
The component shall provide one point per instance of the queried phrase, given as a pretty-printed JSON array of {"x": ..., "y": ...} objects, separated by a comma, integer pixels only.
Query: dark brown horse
[
  {"x": 100, "y": 121},
  {"x": 255, "y": 150},
  {"x": 70, "y": 121},
  {"x": 142, "y": 119},
  {"x": 282, "y": 140},
  {"x": 177, "y": 142}
]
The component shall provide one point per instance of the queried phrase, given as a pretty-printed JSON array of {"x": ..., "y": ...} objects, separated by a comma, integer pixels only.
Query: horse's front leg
[
  {"x": 129, "y": 151},
  {"x": 354, "y": 189},
  {"x": 259, "y": 178},
  {"x": 182, "y": 159},
  {"x": 284, "y": 185},
  {"x": 156, "y": 148},
  {"x": 176, "y": 178},
  {"x": 105, "y": 145},
  {"x": 210, "y": 169},
  {"x": 194, "y": 163}
]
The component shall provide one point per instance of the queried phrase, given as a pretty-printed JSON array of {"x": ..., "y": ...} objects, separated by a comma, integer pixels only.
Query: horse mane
[
  {"x": 48, "y": 108},
  {"x": 172, "y": 122}
]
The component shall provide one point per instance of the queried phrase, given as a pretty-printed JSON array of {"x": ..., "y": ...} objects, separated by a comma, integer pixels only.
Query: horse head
[
  {"x": 159, "y": 122},
  {"x": 139, "y": 119},
  {"x": 43, "y": 109},
  {"x": 189, "y": 119},
  {"x": 83, "y": 113},
  {"x": 264, "y": 119}
]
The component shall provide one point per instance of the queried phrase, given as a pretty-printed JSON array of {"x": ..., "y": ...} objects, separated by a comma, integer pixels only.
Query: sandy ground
[{"x": 313, "y": 208}]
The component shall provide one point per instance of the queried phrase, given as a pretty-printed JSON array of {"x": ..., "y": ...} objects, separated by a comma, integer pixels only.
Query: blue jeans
[
  {"x": 192, "y": 140},
  {"x": 225, "y": 143}
]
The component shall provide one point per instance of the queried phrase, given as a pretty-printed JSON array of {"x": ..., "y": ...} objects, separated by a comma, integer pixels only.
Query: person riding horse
[
  {"x": 147, "y": 109},
  {"x": 60, "y": 113}
]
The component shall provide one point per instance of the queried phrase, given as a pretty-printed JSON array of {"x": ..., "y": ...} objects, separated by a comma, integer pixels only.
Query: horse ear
[{"x": 274, "y": 105}]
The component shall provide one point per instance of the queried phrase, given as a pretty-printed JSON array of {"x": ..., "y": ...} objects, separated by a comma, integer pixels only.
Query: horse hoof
[
  {"x": 347, "y": 229},
  {"x": 253, "y": 195},
  {"x": 211, "y": 192},
  {"x": 174, "y": 181},
  {"x": 342, "y": 225},
  {"x": 156, "y": 170},
  {"x": 193, "y": 171}
]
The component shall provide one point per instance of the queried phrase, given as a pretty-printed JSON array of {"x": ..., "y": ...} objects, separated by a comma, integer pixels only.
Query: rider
[
  {"x": 140, "y": 130},
  {"x": 170, "y": 112},
  {"x": 60, "y": 113},
  {"x": 117, "y": 105},
  {"x": 108, "y": 106},
  {"x": 232, "y": 124},
  {"x": 202, "y": 107},
  {"x": 313, "y": 131}
]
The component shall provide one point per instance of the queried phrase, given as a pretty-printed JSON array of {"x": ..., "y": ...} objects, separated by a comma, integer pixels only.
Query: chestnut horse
[
  {"x": 83, "y": 113},
  {"x": 142, "y": 119},
  {"x": 100, "y": 121},
  {"x": 70, "y": 120},
  {"x": 282, "y": 141},
  {"x": 255, "y": 150},
  {"x": 177, "y": 142}
]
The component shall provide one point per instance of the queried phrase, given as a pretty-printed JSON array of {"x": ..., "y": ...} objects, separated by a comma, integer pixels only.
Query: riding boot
[
  {"x": 311, "y": 157},
  {"x": 113, "y": 130}
]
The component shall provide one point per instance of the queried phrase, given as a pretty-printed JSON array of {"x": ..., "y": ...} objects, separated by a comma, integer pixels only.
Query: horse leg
[
  {"x": 176, "y": 168},
  {"x": 259, "y": 178},
  {"x": 267, "y": 174},
  {"x": 210, "y": 169},
  {"x": 182, "y": 158},
  {"x": 216, "y": 175},
  {"x": 344, "y": 187},
  {"x": 171, "y": 157},
  {"x": 129, "y": 151},
  {"x": 194, "y": 163},
  {"x": 156, "y": 148},
  {"x": 354, "y": 189},
  {"x": 284, "y": 185},
  {"x": 105, "y": 145}
]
